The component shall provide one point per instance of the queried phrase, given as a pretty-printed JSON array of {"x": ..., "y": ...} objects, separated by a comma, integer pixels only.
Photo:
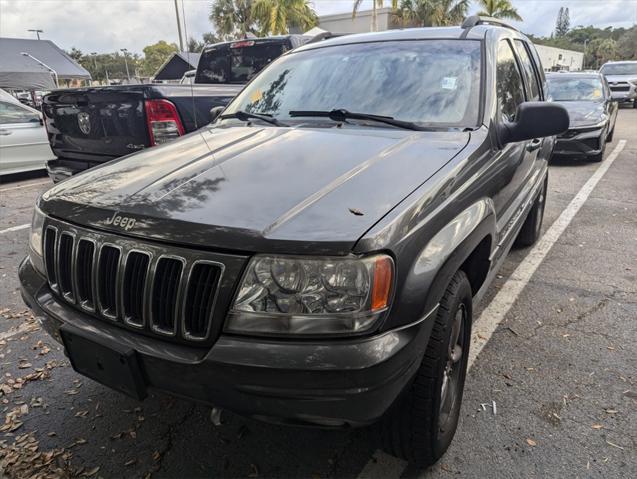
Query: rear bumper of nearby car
[
  {"x": 327, "y": 383},
  {"x": 580, "y": 142},
  {"x": 62, "y": 168}
]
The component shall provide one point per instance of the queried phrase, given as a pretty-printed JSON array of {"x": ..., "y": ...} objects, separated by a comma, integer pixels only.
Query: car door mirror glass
[{"x": 535, "y": 120}]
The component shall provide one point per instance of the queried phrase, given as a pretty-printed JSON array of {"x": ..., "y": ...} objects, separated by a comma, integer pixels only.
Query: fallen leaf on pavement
[{"x": 531, "y": 442}]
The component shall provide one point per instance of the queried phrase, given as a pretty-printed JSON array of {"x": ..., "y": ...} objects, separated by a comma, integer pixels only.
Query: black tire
[
  {"x": 532, "y": 226},
  {"x": 609, "y": 138},
  {"x": 421, "y": 424},
  {"x": 634, "y": 103}
]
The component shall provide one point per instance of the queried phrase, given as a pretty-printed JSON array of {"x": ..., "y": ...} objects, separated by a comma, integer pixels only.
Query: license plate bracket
[{"x": 107, "y": 362}]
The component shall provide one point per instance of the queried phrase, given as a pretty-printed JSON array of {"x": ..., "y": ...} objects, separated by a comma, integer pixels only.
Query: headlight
[
  {"x": 310, "y": 295},
  {"x": 35, "y": 239}
]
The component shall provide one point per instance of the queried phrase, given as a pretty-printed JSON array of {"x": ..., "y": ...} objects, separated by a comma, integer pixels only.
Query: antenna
[{"x": 192, "y": 88}]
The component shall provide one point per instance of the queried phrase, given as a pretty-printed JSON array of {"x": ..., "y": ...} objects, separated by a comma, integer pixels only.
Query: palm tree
[
  {"x": 375, "y": 4},
  {"x": 433, "y": 13},
  {"x": 276, "y": 16},
  {"x": 233, "y": 18},
  {"x": 499, "y": 9}
]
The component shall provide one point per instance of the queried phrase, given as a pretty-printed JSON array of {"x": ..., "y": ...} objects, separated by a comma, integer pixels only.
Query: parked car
[
  {"x": 23, "y": 142},
  {"x": 315, "y": 255},
  {"x": 622, "y": 79},
  {"x": 592, "y": 111},
  {"x": 90, "y": 126}
]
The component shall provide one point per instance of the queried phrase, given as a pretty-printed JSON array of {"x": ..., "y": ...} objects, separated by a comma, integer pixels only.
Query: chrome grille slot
[
  {"x": 134, "y": 287},
  {"x": 107, "y": 280},
  {"x": 165, "y": 293},
  {"x": 49, "y": 257},
  {"x": 84, "y": 273},
  {"x": 65, "y": 265},
  {"x": 134, "y": 284}
]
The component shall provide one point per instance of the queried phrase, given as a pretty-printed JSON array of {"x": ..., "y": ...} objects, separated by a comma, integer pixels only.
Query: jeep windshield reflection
[{"x": 431, "y": 83}]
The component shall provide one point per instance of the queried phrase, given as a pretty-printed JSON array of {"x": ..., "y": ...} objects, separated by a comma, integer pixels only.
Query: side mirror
[
  {"x": 215, "y": 112},
  {"x": 535, "y": 119}
]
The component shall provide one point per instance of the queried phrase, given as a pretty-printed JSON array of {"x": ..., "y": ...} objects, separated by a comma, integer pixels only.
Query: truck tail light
[{"x": 163, "y": 120}]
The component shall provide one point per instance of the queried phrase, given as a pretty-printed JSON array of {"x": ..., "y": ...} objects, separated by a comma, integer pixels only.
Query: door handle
[
  {"x": 5, "y": 132},
  {"x": 534, "y": 145}
]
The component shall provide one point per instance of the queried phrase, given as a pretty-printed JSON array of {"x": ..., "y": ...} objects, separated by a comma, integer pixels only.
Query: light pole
[
  {"x": 181, "y": 42},
  {"x": 36, "y": 31},
  {"x": 125, "y": 62},
  {"x": 55, "y": 74}
]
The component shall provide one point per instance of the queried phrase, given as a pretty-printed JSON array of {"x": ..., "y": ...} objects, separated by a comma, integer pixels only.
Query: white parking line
[
  {"x": 384, "y": 466},
  {"x": 25, "y": 186},
  {"x": 15, "y": 228},
  {"x": 492, "y": 315},
  {"x": 23, "y": 328}
]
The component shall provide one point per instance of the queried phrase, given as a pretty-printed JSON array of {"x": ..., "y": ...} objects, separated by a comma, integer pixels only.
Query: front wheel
[{"x": 421, "y": 424}]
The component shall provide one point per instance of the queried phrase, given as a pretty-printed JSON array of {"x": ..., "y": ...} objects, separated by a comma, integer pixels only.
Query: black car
[
  {"x": 592, "y": 111},
  {"x": 314, "y": 256},
  {"x": 90, "y": 126}
]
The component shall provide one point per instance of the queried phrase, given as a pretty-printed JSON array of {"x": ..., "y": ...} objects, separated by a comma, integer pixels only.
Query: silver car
[
  {"x": 24, "y": 145},
  {"x": 622, "y": 79}
]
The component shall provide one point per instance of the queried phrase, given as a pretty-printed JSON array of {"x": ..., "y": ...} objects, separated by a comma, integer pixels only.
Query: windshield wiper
[
  {"x": 246, "y": 116},
  {"x": 342, "y": 115}
]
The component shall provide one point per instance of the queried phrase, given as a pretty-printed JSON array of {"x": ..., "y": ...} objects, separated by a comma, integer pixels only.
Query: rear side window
[
  {"x": 529, "y": 72},
  {"x": 10, "y": 113},
  {"x": 237, "y": 62},
  {"x": 509, "y": 87}
]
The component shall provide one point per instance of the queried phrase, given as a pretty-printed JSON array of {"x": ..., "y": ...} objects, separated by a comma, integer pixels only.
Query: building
[
  {"x": 556, "y": 59},
  {"x": 344, "y": 23}
]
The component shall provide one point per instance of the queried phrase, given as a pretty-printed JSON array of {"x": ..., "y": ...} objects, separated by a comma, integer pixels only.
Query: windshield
[
  {"x": 619, "y": 69},
  {"x": 575, "y": 89},
  {"x": 431, "y": 82},
  {"x": 237, "y": 62}
]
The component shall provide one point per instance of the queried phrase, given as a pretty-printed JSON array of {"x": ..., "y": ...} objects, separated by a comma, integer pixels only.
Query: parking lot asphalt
[{"x": 553, "y": 392}]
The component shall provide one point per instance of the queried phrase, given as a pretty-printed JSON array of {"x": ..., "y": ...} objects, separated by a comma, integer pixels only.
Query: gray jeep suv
[{"x": 314, "y": 256}]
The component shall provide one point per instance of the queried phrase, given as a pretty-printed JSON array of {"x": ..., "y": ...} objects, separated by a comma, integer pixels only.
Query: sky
[{"x": 108, "y": 25}]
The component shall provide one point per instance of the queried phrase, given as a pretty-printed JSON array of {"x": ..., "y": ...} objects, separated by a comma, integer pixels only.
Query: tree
[
  {"x": 194, "y": 45},
  {"x": 606, "y": 51},
  {"x": 155, "y": 55},
  {"x": 627, "y": 44},
  {"x": 499, "y": 9},
  {"x": 75, "y": 54},
  {"x": 431, "y": 13},
  {"x": 277, "y": 16},
  {"x": 375, "y": 4},
  {"x": 233, "y": 18},
  {"x": 563, "y": 22}
]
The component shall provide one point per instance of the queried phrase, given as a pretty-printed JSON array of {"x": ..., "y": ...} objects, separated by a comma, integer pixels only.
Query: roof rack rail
[
  {"x": 324, "y": 36},
  {"x": 474, "y": 20}
]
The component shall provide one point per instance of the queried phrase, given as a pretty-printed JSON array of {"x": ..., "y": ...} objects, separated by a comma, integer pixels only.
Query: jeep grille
[{"x": 166, "y": 292}]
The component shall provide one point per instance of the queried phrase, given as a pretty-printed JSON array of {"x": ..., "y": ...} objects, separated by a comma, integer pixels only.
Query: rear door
[
  {"x": 96, "y": 124},
  {"x": 23, "y": 140}
]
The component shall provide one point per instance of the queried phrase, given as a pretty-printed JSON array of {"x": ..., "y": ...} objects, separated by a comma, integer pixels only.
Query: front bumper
[
  {"x": 580, "y": 142},
  {"x": 329, "y": 383},
  {"x": 60, "y": 169},
  {"x": 624, "y": 93}
]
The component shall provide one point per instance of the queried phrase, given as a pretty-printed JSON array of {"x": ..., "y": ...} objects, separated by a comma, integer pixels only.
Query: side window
[
  {"x": 509, "y": 88},
  {"x": 11, "y": 113},
  {"x": 533, "y": 92}
]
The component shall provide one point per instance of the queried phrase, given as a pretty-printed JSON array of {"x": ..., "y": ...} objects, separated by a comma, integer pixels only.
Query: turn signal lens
[{"x": 383, "y": 272}]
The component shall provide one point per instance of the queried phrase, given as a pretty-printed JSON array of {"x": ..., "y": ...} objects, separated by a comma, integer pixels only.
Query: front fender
[{"x": 438, "y": 260}]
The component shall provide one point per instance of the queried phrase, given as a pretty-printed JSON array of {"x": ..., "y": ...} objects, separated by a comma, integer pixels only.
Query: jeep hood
[{"x": 258, "y": 189}]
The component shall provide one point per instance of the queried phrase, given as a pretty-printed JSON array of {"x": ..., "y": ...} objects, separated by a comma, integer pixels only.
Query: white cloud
[{"x": 108, "y": 25}]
